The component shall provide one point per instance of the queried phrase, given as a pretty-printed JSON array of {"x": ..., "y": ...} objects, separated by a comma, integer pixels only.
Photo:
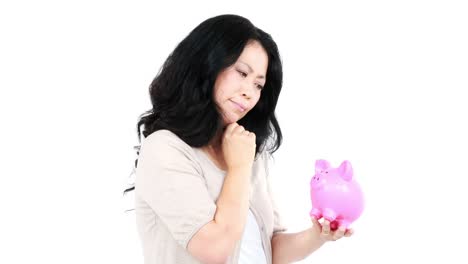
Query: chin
[
  {"x": 230, "y": 121},
  {"x": 231, "y": 118}
]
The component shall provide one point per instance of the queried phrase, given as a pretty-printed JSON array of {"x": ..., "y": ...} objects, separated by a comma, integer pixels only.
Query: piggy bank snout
[{"x": 317, "y": 181}]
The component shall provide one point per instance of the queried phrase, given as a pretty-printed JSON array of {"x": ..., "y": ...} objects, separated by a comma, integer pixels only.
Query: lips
[{"x": 240, "y": 106}]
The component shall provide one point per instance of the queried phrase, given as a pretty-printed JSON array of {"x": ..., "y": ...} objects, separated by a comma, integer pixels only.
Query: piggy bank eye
[{"x": 326, "y": 172}]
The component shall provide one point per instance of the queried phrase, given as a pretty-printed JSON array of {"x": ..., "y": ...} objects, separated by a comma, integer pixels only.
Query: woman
[{"x": 202, "y": 186}]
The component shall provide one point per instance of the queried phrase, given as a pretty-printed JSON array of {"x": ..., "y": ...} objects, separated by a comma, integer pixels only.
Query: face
[{"x": 238, "y": 88}]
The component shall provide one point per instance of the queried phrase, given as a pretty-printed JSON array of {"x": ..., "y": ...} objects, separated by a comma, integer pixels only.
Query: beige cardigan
[{"x": 176, "y": 189}]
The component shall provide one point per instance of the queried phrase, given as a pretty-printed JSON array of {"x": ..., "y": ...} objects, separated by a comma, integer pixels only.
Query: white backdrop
[{"x": 379, "y": 83}]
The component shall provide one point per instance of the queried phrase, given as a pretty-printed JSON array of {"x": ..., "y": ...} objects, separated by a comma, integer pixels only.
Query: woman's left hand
[{"x": 326, "y": 233}]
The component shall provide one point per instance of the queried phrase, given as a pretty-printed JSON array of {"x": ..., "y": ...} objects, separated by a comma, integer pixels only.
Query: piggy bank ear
[
  {"x": 345, "y": 170},
  {"x": 321, "y": 165}
]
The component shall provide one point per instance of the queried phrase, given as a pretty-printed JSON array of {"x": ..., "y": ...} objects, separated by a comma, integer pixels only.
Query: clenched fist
[{"x": 238, "y": 146}]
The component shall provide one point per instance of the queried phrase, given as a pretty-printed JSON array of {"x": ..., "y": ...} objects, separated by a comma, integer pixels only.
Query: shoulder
[
  {"x": 164, "y": 137},
  {"x": 260, "y": 166},
  {"x": 267, "y": 161},
  {"x": 161, "y": 136},
  {"x": 165, "y": 143},
  {"x": 265, "y": 158}
]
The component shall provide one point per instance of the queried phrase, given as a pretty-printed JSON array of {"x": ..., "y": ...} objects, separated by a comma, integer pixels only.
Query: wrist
[{"x": 240, "y": 169}]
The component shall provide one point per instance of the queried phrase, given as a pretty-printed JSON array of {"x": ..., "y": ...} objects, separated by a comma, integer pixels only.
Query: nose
[{"x": 246, "y": 90}]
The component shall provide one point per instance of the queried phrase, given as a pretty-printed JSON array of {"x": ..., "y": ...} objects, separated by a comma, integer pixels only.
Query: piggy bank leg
[
  {"x": 334, "y": 225},
  {"x": 316, "y": 213},
  {"x": 329, "y": 214},
  {"x": 345, "y": 224}
]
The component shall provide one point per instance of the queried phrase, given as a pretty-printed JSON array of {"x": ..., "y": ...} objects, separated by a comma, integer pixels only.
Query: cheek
[
  {"x": 257, "y": 98},
  {"x": 231, "y": 81},
  {"x": 226, "y": 87},
  {"x": 220, "y": 95}
]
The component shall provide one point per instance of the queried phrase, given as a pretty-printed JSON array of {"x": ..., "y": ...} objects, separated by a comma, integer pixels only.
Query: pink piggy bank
[{"x": 335, "y": 195}]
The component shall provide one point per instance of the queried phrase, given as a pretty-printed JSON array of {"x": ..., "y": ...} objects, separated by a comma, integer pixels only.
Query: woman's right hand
[{"x": 238, "y": 147}]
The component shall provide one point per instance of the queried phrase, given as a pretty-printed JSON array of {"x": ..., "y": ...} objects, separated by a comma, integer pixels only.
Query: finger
[
  {"x": 349, "y": 233},
  {"x": 339, "y": 233},
  {"x": 315, "y": 222},
  {"x": 326, "y": 227},
  {"x": 231, "y": 127},
  {"x": 239, "y": 129}
]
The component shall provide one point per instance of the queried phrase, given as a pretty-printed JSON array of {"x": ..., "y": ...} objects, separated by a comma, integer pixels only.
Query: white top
[{"x": 251, "y": 251}]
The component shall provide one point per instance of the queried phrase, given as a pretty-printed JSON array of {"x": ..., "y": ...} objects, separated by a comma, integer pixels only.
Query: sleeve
[
  {"x": 278, "y": 222},
  {"x": 172, "y": 184}
]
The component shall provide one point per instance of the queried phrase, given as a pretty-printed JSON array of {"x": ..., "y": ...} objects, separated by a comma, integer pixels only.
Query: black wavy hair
[{"x": 182, "y": 92}]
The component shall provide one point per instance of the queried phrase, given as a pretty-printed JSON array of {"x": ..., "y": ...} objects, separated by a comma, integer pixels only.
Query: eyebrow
[{"x": 250, "y": 68}]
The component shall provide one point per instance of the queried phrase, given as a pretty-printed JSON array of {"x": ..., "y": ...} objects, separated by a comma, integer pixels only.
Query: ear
[
  {"x": 345, "y": 170},
  {"x": 321, "y": 165}
]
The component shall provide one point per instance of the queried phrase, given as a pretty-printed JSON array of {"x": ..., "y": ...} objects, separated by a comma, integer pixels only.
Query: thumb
[{"x": 315, "y": 221}]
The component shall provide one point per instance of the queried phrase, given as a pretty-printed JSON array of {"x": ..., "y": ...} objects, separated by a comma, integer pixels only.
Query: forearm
[
  {"x": 233, "y": 202},
  {"x": 292, "y": 247}
]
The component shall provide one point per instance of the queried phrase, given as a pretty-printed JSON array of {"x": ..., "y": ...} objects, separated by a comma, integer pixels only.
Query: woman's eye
[
  {"x": 242, "y": 73},
  {"x": 245, "y": 75}
]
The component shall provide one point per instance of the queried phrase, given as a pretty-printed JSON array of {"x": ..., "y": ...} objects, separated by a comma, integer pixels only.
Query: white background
[{"x": 379, "y": 83}]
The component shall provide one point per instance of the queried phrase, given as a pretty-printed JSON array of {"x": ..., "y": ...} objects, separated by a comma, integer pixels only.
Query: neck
[{"x": 215, "y": 145}]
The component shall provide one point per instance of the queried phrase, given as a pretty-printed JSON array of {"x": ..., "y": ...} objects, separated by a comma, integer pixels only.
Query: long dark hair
[{"x": 182, "y": 91}]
